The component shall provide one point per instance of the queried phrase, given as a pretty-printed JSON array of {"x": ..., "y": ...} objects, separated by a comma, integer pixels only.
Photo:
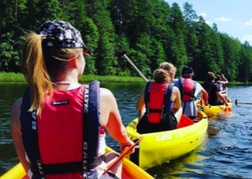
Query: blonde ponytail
[{"x": 35, "y": 70}]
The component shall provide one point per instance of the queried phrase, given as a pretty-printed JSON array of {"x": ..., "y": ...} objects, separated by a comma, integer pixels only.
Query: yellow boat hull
[
  {"x": 213, "y": 111},
  {"x": 159, "y": 147},
  {"x": 129, "y": 171}
]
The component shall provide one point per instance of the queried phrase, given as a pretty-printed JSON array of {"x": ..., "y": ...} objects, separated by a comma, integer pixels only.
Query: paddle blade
[
  {"x": 227, "y": 109},
  {"x": 185, "y": 121}
]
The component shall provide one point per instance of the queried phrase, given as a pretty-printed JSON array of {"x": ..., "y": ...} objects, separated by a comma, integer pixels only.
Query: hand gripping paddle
[{"x": 125, "y": 151}]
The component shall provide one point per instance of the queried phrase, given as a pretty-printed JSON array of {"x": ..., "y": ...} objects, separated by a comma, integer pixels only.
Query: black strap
[
  {"x": 85, "y": 131},
  {"x": 155, "y": 110},
  {"x": 181, "y": 86},
  {"x": 93, "y": 121},
  {"x": 70, "y": 167},
  {"x": 35, "y": 143},
  {"x": 91, "y": 125},
  {"x": 167, "y": 99},
  {"x": 147, "y": 97}
]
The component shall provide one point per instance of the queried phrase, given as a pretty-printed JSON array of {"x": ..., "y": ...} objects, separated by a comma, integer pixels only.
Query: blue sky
[{"x": 233, "y": 17}]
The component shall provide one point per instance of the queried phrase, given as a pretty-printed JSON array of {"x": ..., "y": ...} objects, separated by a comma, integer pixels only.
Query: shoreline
[{"x": 18, "y": 77}]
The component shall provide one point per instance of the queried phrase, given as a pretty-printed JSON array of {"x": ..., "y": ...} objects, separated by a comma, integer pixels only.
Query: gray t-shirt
[{"x": 190, "y": 107}]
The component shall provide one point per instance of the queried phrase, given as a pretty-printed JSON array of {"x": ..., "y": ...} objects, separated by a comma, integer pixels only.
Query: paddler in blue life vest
[
  {"x": 57, "y": 124},
  {"x": 189, "y": 90},
  {"x": 159, "y": 105}
]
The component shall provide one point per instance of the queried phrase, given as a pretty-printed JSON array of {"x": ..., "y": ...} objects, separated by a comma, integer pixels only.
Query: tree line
[{"x": 149, "y": 31}]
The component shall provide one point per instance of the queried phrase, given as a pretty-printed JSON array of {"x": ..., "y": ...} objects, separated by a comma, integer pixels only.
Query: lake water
[{"x": 228, "y": 154}]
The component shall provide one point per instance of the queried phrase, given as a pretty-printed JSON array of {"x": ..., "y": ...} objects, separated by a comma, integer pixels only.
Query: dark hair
[{"x": 161, "y": 76}]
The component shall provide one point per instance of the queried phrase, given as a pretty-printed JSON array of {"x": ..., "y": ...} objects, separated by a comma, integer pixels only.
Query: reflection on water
[
  {"x": 190, "y": 163},
  {"x": 228, "y": 154}
]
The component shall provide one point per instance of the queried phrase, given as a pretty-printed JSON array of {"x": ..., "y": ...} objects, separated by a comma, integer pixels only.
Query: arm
[
  {"x": 111, "y": 119},
  {"x": 16, "y": 134},
  {"x": 220, "y": 96},
  {"x": 177, "y": 109},
  {"x": 140, "y": 107},
  {"x": 140, "y": 104},
  {"x": 204, "y": 95},
  {"x": 225, "y": 81}
]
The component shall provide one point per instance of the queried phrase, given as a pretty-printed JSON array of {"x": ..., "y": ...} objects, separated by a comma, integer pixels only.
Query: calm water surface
[{"x": 227, "y": 154}]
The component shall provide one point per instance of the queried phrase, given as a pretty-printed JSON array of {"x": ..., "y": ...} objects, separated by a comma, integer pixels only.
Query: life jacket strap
[
  {"x": 70, "y": 167},
  {"x": 155, "y": 110}
]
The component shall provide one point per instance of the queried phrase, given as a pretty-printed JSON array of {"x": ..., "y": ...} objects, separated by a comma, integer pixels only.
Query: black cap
[
  {"x": 63, "y": 33},
  {"x": 187, "y": 70}
]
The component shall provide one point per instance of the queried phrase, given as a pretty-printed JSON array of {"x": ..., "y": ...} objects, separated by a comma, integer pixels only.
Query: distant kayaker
[
  {"x": 56, "y": 125},
  {"x": 223, "y": 82},
  {"x": 159, "y": 105},
  {"x": 190, "y": 90},
  {"x": 215, "y": 92}
]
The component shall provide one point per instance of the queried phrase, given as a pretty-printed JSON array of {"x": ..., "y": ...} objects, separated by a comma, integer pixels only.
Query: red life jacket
[
  {"x": 187, "y": 89},
  {"x": 157, "y": 99},
  {"x": 59, "y": 142},
  {"x": 60, "y": 127}
]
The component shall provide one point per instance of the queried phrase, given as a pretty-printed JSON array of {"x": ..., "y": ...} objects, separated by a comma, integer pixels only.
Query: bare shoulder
[
  {"x": 175, "y": 89},
  {"x": 106, "y": 95},
  {"x": 15, "y": 109},
  {"x": 105, "y": 91},
  {"x": 17, "y": 103}
]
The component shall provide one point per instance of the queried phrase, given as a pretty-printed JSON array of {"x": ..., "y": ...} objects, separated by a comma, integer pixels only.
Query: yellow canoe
[
  {"x": 159, "y": 147},
  {"x": 129, "y": 171},
  {"x": 214, "y": 111}
]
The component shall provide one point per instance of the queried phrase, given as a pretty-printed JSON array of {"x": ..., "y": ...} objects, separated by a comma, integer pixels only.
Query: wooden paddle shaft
[{"x": 139, "y": 72}]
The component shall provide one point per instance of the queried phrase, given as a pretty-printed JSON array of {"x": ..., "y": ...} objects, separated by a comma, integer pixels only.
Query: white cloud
[
  {"x": 248, "y": 23},
  {"x": 209, "y": 23},
  {"x": 203, "y": 14},
  {"x": 223, "y": 19}
]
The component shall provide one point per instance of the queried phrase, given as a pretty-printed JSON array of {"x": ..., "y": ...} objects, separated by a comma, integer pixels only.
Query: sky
[{"x": 233, "y": 17}]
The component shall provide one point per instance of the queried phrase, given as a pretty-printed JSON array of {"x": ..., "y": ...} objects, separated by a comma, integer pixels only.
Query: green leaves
[{"x": 150, "y": 31}]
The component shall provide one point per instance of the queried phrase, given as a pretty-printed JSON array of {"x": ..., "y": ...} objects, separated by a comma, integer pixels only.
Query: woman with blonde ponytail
[{"x": 57, "y": 123}]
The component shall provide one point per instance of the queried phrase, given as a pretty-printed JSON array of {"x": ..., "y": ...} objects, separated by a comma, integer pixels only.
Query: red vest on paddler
[
  {"x": 188, "y": 89},
  {"x": 58, "y": 142},
  {"x": 157, "y": 95},
  {"x": 60, "y": 127}
]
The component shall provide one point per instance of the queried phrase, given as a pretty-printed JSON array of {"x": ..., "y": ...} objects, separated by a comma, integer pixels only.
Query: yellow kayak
[
  {"x": 159, "y": 147},
  {"x": 129, "y": 171},
  {"x": 213, "y": 111}
]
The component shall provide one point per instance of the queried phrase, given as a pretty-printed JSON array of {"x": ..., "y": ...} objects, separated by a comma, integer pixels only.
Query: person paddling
[
  {"x": 57, "y": 123},
  {"x": 190, "y": 90},
  {"x": 159, "y": 104}
]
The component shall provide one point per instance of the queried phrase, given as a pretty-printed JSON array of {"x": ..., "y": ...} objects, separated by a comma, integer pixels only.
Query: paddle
[
  {"x": 125, "y": 151},
  {"x": 134, "y": 66},
  {"x": 227, "y": 109},
  {"x": 236, "y": 102}
]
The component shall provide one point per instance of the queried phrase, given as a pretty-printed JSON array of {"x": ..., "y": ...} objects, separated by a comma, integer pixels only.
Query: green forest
[{"x": 149, "y": 31}]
